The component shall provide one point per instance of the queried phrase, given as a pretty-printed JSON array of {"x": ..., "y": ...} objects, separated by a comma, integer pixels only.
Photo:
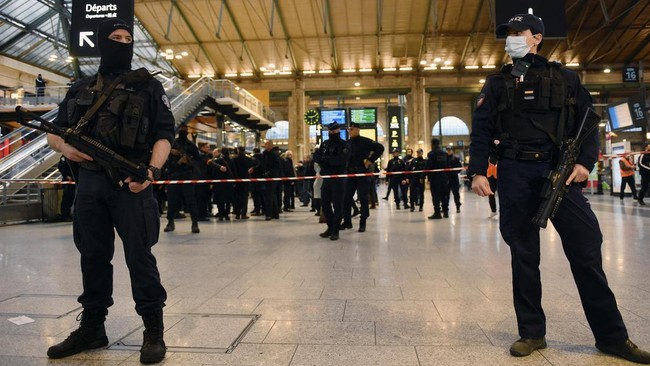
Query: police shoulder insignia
[
  {"x": 165, "y": 101},
  {"x": 480, "y": 100}
]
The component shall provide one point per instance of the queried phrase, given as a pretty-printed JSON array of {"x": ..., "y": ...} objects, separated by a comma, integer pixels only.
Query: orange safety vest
[{"x": 624, "y": 163}]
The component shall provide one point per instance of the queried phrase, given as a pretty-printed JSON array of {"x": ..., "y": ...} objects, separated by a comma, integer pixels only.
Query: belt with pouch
[{"x": 91, "y": 165}]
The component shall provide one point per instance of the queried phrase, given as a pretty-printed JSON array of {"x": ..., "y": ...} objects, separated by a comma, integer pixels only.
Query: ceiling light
[
  {"x": 423, "y": 62},
  {"x": 349, "y": 70},
  {"x": 269, "y": 73},
  {"x": 447, "y": 62},
  {"x": 447, "y": 68},
  {"x": 286, "y": 68},
  {"x": 184, "y": 54},
  {"x": 308, "y": 72},
  {"x": 607, "y": 70},
  {"x": 262, "y": 68},
  {"x": 231, "y": 75},
  {"x": 437, "y": 59},
  {"x": 405, "y": 68},
  {"x": 471, "y": 67},
  {"x": 246, "y": 74},
  {"x": 594, "y": 93},
  {"x": 285, "y": 73},
  {"x": 572, "y": 64},
  {"x": 208, "y": 75},
  {"x": 432, "y": 67},
  {"x": 356, "y": 83},
  {"x": 358, "y": 98},
  {"x": 324, "y": 71},
  {"x": 271, "y": 66},
  {"x": 178, "y": 57},
  {"x": 365, "y": 70},
  {"x": 489, "y": 67},
  {"x": 390, "y": 69},
  {"x": 482, "y": 81},
  {"x": 193, "y": 76}
]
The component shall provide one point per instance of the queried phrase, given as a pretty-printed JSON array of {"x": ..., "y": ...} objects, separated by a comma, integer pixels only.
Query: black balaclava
[
  {"x": 115, "y": 56},
  {"x": 335, "y": 134}
]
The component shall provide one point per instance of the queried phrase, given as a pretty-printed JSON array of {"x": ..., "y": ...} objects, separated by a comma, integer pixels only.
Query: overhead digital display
[
  {"x": 364, "y": 116},
  {"x": 620, "y": 116},
  {"x": 325, "y": 135},
  {"x": 329, "y": 116}
]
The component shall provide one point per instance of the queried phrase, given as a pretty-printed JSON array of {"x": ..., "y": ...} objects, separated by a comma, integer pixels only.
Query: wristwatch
[{"x": 156, "y": 172}]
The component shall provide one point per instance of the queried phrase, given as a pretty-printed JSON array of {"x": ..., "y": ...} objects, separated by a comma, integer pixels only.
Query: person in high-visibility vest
[{"x": 627, "y": 167}]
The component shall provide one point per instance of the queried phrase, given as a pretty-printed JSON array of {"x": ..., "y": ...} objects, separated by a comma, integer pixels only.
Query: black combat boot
[
  {"x": 170, "y": 226},
  {"x": 362, "y": 226},
  {"x": 90, "y": 335},
  {"x": 195, "y": 227},
  {"x": 153, "y": 346},
  {"x": 326, "y": 233}
]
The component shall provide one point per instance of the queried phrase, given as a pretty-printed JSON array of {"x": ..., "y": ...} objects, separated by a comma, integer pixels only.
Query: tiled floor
[{"x": 409, "y": 291}]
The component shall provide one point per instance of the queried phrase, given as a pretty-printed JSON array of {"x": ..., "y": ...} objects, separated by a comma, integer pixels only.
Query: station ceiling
[{"x": 264, "y": 38}]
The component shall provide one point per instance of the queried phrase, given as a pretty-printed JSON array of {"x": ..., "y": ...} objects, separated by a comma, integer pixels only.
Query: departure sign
[
  {"x": 364, "y": 116},
  {"x": 86, "y": 16},
  {"x": 329, "y": 116}
]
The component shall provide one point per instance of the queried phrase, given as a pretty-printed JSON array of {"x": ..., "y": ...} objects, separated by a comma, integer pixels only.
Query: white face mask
[{"x": 517, "y": 47}]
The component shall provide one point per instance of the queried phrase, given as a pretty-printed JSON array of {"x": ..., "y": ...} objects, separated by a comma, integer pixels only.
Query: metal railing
[
  {"x": 51, "y": 95},
  {"x": 185, "y": 103}
]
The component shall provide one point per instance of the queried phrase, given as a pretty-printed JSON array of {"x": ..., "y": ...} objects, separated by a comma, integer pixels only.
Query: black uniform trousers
[
  {"x": 645, "y": 182},
  {"x": 99, "y": 208},
  {"x": 240, "y": 203},
  {"x": 519, "y": 185},
  {"x": 271, "y": 201},
  {"x": 289, "y": 195},
  {"x": 404, "y": 190},
  {"x": 393, "y": 185},
  {"x": 257, "y": 191},
  {"x": 631, "y": 182},
  {"x": 222, "y": 196},
  {"x": 417, "y": 191},
  {"x": 438, "y": 188},
  {"x": 360, "y": 185},
  {"x": 453, "y": 187},
  {"x": 332, "y": 192},
  {"x": 176, "y": 195}
]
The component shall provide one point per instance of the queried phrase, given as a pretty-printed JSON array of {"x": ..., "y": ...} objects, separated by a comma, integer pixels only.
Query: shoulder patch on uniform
[
  {"x": 480, "y": 100},
  {"x": 166, "y": 102}
]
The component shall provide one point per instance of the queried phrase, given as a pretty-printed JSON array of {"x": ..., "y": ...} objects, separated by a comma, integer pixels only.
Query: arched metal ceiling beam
[
  {"x": 423, "y": 43},
  {"x": 286, "y": 35},
  {"x": 241, "y": 38},
  {"x": 23, "y": 27},
  {"x": 189, "y": 26},
  {"x": 613, "y": 25},
  {"x": 327, "y": 14},
  {"x": 472, "y": 34},
  {"x": 28, "y": 29}
]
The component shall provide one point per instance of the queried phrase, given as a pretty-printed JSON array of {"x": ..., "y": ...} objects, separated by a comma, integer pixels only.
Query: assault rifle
[
  {"x": 108, "y": 159},
  {"x": 555, "y": 186}
]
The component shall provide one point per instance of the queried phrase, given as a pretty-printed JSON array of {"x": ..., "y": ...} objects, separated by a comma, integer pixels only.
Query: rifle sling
[{"x": 102, "y": 99}]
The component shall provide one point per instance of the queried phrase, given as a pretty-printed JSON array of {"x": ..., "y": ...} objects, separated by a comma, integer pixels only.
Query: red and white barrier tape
[
  {"x": 200, "y": 181},
  {"x": 612, "y": 156}
]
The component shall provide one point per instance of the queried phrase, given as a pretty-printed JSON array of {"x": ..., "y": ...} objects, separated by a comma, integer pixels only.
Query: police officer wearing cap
[
  {"x": 363, "y": 154},
  {"x": 416, "y": 181},
  {"x": 137, "y": 122},
  {"x": 529, "y": 108},
  {"x": 332, "y": 157},
  {"x": 438, "y": 181}
]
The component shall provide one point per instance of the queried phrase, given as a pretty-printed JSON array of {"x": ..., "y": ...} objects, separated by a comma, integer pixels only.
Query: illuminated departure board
[
  {"x": 364, "y": 116},
  {"x": 329, "y": 116}
]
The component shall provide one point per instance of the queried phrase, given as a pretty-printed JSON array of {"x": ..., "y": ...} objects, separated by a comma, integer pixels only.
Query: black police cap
[
  {"x": 522, "y": 22},
  {"x": 334, "y": 126},
  {"x": 354, "y": 124}
]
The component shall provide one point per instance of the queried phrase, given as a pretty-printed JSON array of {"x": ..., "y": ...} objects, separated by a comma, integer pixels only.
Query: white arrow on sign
[{"x": 85, "y": 36}]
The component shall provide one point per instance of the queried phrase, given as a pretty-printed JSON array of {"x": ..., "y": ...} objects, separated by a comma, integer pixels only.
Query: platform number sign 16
[
  {"x": 631, "y": 74},
  {"x": 638, "y": 112}
]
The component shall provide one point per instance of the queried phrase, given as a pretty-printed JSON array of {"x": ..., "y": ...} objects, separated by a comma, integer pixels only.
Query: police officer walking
[
  {"x": 530, "y": 108},
  {"x": 452, "y": 176},
  {"x": 182, "y": 165},
  {"x": 107, "y": 202},
  {"x": 416, "y": 181},
  {"x": 363, "y": 154},
  {"x": 395, "y": 165},
  {"x": 437, "y": 159},
  {"x": 271, "y": 168},
  {"x": 332, "y": 156}
]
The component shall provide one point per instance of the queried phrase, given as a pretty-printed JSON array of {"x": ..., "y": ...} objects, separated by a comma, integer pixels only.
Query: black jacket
[{"x": 362, "y": 148}]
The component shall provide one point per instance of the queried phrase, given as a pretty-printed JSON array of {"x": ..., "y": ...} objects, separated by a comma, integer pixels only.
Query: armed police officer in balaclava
[{"x": 128, "y": 112}]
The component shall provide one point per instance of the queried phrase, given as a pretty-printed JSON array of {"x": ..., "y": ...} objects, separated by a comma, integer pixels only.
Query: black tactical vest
[
  {"x": 536, "y": 111},
  {"x": 122, "y": 123}
]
